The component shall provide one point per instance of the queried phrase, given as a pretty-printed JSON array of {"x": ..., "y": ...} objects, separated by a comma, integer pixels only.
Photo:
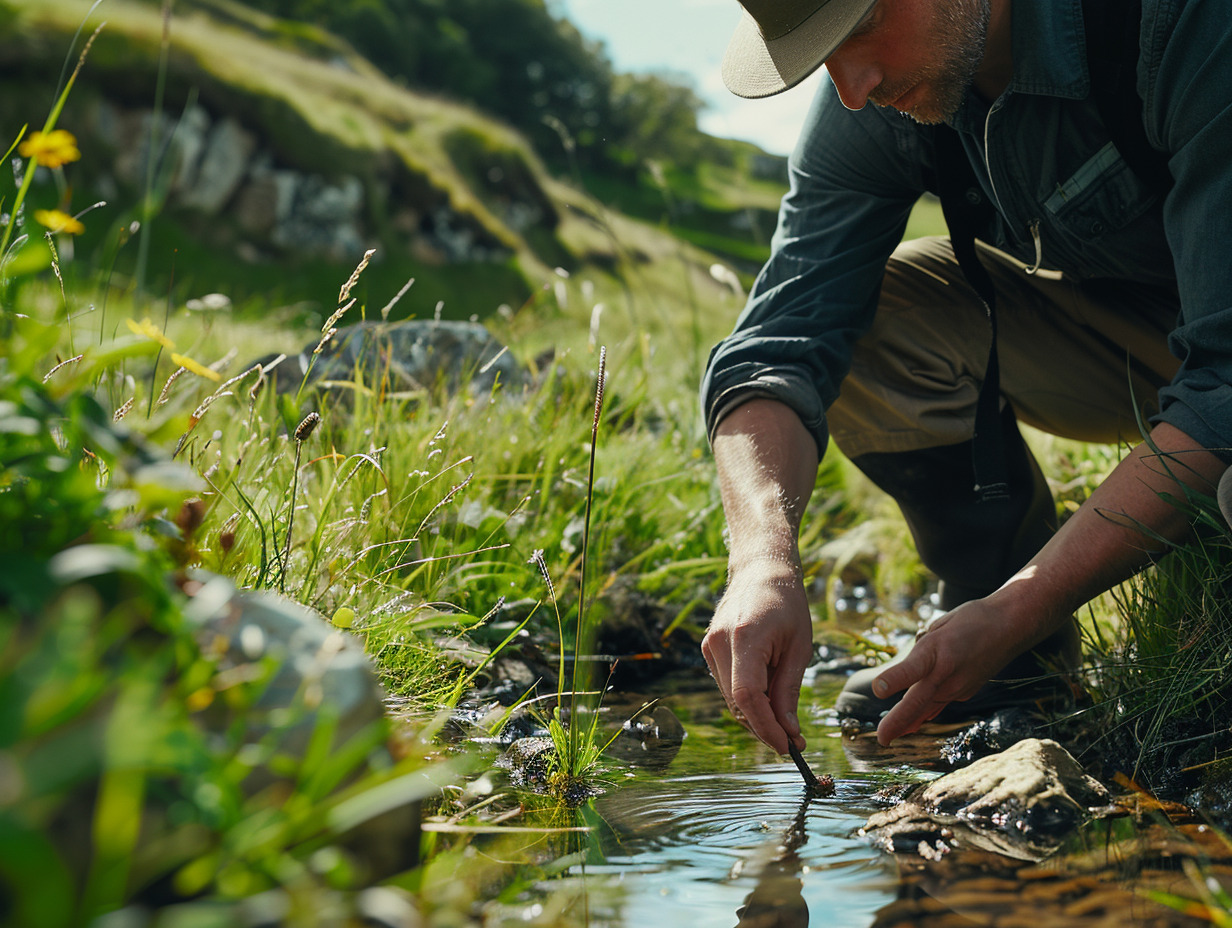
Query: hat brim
[{"x": 754, "y": 67}]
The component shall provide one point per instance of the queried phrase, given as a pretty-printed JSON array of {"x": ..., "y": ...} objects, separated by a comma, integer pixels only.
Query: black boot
[{"x": 973, "y": 547}]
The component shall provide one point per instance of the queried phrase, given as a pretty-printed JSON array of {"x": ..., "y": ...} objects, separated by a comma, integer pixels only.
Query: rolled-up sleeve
[
  {"x": 854, "y": 178},
  {"x": 1189, "y": 111}
]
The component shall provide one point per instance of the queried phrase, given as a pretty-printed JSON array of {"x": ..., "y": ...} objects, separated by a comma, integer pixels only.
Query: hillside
[{"x": 281, "y": 155}]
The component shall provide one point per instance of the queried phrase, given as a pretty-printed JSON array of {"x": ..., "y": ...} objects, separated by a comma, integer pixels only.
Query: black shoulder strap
[
  {"x": 966, "y": 209},
  {"x": 1113, "y": 29}
]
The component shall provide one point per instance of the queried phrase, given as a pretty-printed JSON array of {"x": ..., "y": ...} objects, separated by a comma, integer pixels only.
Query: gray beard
[{"x": 961, "y": 33}]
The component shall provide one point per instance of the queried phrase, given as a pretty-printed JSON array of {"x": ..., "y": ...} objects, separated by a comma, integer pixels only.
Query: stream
[{"x": 723, "y": 833}]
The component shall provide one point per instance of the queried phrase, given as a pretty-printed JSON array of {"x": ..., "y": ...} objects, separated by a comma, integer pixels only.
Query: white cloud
[{"x": 773, "y": 122}]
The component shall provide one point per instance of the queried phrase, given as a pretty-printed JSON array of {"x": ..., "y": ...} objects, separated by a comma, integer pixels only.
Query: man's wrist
[{"x": 783, "y": 570}]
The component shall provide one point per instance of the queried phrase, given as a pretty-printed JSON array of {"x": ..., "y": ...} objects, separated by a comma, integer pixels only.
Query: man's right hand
[
  {"x": 759, "y": 643},
  {"x": 760, "y": 639}
]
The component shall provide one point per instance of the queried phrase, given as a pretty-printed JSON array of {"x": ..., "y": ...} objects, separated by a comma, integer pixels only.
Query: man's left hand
[{"x": 958, "y": 654}]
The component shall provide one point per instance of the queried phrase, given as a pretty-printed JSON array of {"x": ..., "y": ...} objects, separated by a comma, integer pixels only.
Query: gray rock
[
  {"x": 1225, "y": 495},
  {"x": 188, "y": 144},
  {"x": 319, "y": 669},
  {"x": 320, "y": 677},
  {"x": 1020, "y": 804},
  {"x": 408, "y": 357},
  {"x": 224, "y": 163},
  {"x": 318, "y": 217}
]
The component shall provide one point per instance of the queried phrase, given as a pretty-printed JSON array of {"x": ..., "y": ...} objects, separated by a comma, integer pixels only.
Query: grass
[{"x": 1162, "y": 676}]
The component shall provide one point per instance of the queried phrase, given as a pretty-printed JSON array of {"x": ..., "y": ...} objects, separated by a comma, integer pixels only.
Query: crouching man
[{"x": 1081, "y": 148}]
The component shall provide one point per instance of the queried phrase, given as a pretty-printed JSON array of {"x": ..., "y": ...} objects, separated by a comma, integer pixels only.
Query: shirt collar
[
  {"x": 1050, "y": 58},
  {"x": 1049, "y": 42}
]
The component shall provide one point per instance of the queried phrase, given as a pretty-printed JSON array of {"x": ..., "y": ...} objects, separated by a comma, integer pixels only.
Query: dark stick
[{"x": 822, "y": 787}]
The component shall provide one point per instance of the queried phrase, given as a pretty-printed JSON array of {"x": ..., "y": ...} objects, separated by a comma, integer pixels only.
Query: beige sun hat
[{"x": 781, "y": 42}]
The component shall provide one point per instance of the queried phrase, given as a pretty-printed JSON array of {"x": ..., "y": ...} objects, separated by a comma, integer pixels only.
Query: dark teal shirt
[{"x": 1065, "y": 199}]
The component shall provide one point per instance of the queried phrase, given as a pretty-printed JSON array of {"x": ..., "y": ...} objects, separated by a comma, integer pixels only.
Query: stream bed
[{"x": 723, "y": 833}]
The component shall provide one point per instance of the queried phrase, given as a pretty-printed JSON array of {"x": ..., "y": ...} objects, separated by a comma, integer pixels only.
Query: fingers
[
  {"x": 785, "y": 693},
  {"x": 758, "y": 645},
  {"x": 915, "y": 673},
  {"x": 745, "y": 685},
  {"x": 918, "y": 705},
  {"x": 716, "y": 648},
  {"x": 899, "y": 676},
  {"x": 750, "y": 700}
]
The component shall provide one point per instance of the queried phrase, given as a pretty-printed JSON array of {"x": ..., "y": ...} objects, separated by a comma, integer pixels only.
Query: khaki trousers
[{"x": 1077, "y": 359}]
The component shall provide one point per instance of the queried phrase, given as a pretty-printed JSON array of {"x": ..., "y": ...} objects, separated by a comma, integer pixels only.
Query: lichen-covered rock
[{"x": 1020, "y": 803}]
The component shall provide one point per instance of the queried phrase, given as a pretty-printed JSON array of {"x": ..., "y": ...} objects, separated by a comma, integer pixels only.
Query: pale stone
[{"x": 1019, "y": 803}]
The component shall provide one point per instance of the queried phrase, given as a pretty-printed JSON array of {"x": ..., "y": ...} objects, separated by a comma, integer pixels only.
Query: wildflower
[
  {"x": 210, "y": 303},
  {"x": 195, "y": 367},
  {"x": 50, "y": 149},
  {"x": 58, "y": 221},
  {"x": 149, "y": 330}
]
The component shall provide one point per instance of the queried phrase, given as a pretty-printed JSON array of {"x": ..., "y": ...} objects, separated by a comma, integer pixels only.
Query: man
[{"x": 1113, "y": 315}]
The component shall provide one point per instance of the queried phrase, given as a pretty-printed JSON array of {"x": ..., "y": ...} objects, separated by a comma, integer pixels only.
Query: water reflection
[
  {"x": 745, "y": 848},
  {"x": 777, "y": 901}
]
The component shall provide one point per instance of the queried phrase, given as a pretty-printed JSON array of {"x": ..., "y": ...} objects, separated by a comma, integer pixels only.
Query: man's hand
[
  {"x": 1112, "y": 535},
  {"x": 761, "y": 637},
  {"x": 759, "y": 643},
  {"x": 958, "y": 654}
]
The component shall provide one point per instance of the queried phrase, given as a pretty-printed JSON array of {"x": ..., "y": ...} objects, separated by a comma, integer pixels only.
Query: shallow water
[
  {"x": 726, "y": 835},
  {"x": 747, "y": 847}
]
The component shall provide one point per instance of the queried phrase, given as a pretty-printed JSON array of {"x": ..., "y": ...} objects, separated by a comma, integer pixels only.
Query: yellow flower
[
  {"x": 58, "y": 221},
  {"x": 196, "y": 368},
  {"x": 149, "y": 330},
  {"x": 50, "y": 149}
]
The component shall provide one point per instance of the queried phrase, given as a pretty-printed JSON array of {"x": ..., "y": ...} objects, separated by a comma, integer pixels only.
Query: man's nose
[{"x": 853, "y": 77}]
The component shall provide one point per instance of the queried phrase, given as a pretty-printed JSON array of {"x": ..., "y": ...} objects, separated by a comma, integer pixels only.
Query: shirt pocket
[{"x": 1101, "y": 197}]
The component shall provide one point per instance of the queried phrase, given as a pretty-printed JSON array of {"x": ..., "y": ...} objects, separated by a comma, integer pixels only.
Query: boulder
[
  {"x": 318, "y": 681},
  {"x": 1020, "y": 804},
  {"x": 1225, "y": 495},
  {"x": 407, "y": 357}
]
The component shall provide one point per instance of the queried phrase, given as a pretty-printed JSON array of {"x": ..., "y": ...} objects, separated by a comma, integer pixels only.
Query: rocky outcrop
[{"x": 215, "y": 166}]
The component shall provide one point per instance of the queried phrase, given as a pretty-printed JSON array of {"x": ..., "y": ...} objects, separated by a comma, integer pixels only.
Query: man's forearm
[
  {"x": 767, "y": 465},
  {"x": 1115, "y": 533},
  {"x": 759, "y": 640},
  {"x": 1119, "y": 529}
]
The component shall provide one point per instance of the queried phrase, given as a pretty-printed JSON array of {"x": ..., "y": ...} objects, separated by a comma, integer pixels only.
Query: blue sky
[{"x": 689, "y": 37}]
